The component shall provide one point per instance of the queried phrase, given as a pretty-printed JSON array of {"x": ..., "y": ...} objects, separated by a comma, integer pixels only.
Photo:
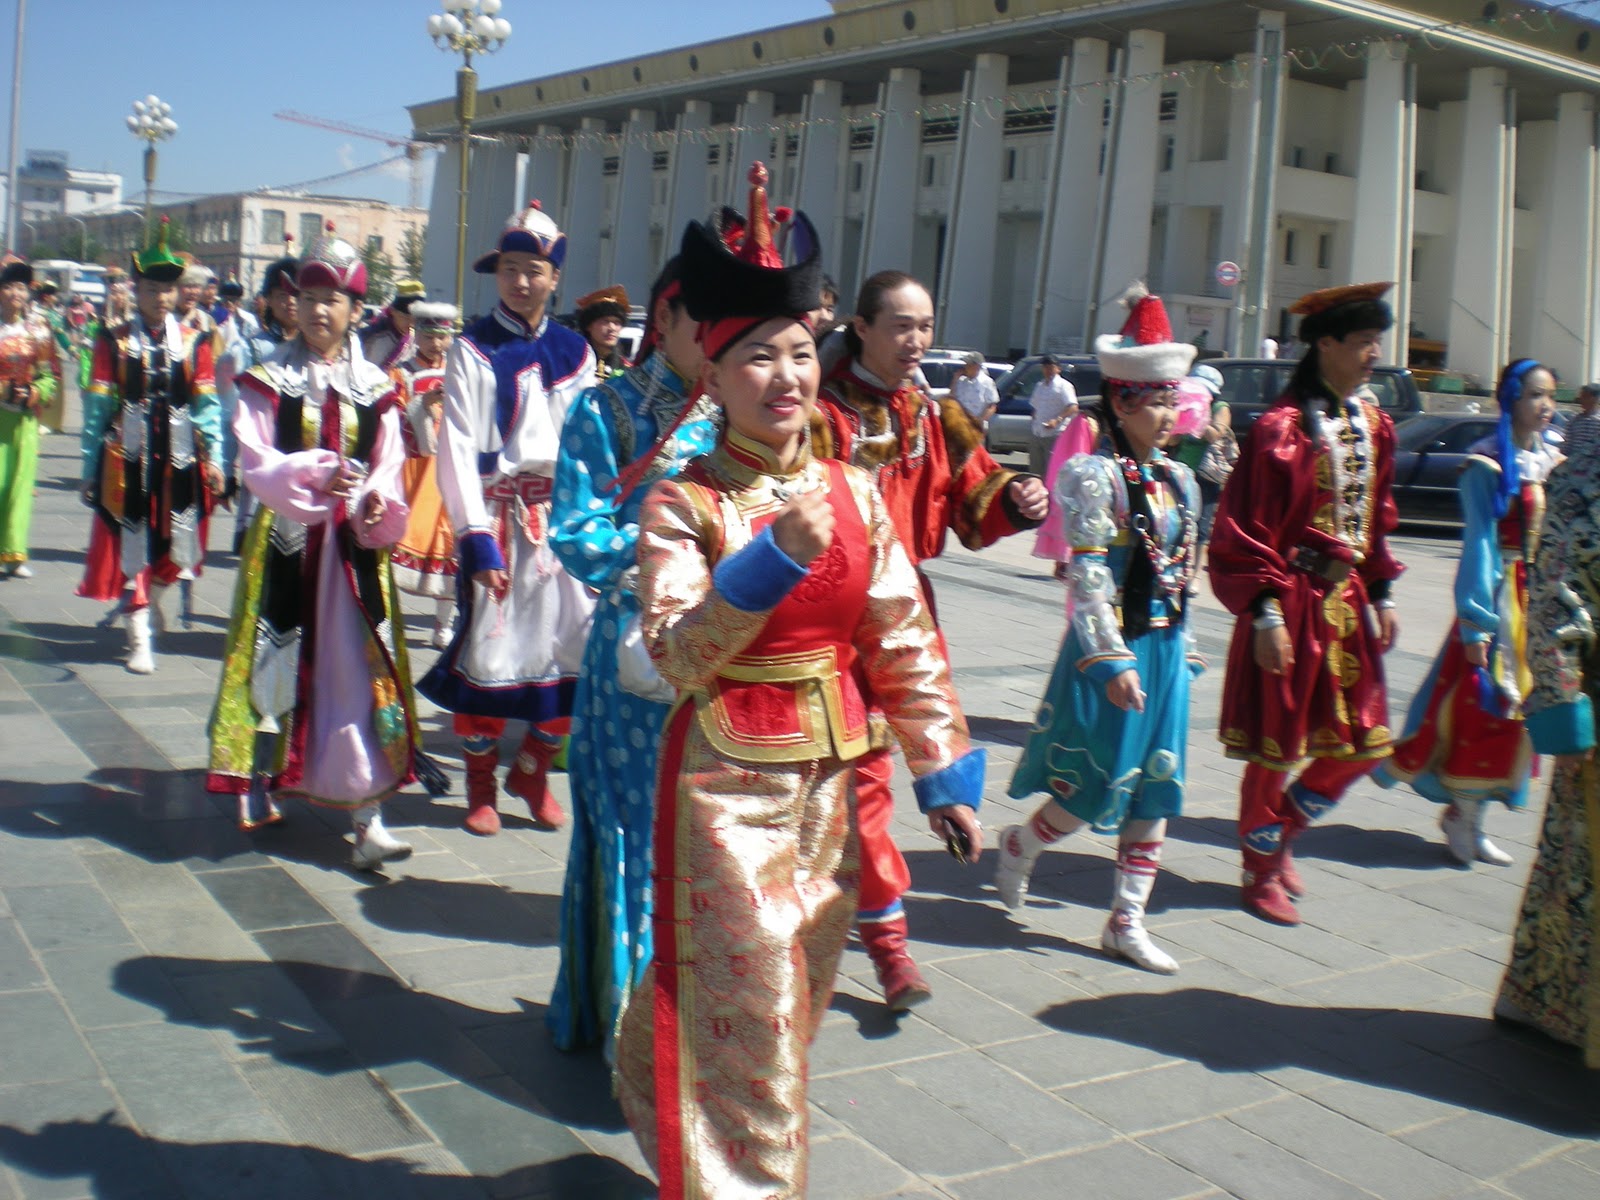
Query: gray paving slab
[{"x": 344, "y": 1035}]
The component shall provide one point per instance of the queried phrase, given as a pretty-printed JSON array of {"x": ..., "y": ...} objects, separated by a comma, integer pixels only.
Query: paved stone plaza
[{"x": 191, "y": 1012}]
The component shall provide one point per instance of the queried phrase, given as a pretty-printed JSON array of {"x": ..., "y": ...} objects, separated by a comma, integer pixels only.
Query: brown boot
[
  {"x": 482, "y": 791},
  {"x": 903, "y": 985},
  {"x": 528, "y": 778}
]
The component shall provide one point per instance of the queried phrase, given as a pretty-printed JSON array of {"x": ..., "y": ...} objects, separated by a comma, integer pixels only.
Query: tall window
[
  {"x": 1288, "y": 248},
  {"x": 1011, "y": 163},
  {"x": 272, "y": 226},
  {"x": 1324, "y": 250},
  {"x": 310, "y": 230}
]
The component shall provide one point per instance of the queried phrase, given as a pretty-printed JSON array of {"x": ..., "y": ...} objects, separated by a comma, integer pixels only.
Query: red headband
[{"x": 716, "y": 336}]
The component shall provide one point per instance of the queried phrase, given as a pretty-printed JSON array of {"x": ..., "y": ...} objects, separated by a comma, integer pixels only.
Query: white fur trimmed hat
[{"x": 1144, "y": 352}]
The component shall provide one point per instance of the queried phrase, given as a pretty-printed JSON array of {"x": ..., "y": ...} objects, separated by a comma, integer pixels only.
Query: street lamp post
[
  {"x": 467, "y": 27},
  {"x": 151, "y": 122}
]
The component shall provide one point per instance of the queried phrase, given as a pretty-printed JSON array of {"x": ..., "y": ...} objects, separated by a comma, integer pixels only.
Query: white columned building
[{"x": 1030, "y": 160}]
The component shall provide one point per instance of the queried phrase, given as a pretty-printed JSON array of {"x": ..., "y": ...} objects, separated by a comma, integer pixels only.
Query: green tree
[
  {"x": 411, "y": 251},
  {"x": 380, "y": 272}
]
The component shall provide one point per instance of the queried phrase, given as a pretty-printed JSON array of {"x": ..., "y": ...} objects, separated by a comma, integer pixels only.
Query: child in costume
[
  {"x": 1465, "y": 745},
  {"x": 30, "y": 377},
  {"x": 425, "y": 555},
  {"x": 1109, "y": 744}
]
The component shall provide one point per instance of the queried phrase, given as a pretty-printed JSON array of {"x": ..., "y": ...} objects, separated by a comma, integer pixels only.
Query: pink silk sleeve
[
  {"x": 293, "y": 485},
  {"x": 388, "y": 457}
]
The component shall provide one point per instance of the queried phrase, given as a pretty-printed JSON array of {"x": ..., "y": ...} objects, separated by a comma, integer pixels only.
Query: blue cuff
[
  {"x": 1563, "y": 728},
  {"x": 959, "y": 783},
  {"x": 1105, "y": 670},
  {"x": 479, "y": 552},
  {"x": 757, "y": 577}
]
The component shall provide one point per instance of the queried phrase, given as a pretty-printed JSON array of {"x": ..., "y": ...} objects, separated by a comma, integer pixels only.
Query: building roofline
[{"x": 877, "y": 34}]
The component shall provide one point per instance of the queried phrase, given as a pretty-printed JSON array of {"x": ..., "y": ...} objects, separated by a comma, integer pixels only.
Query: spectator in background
[
  {"x": 1054, "y": 403},
  {"x": 1585, "y": 427},
  {"x": 826, "y": 315},
  {"x": 1269, "y": 347},
  {"x": 974, "y": 390},
  {"x": 601, "y": 318}
]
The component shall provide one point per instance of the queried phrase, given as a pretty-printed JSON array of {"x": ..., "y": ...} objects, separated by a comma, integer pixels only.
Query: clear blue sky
[{"x": 226, "y": 67}]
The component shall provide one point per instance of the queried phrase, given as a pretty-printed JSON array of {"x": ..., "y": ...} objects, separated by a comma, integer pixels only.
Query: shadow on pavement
[
  {"x": 119, "y": 1162},
  {"x": 479, "y": 912},
  {"x": 1468, "y": 1062},
  {"x": 331, "y": 1018},
  {"x": 169, "y": 817},
  {"x": 1008, "y": 730},
  {"x": 1354, "y": 845}
]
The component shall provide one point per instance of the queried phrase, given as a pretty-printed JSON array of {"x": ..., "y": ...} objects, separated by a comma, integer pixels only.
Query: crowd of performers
[{"x": 699, "y": 579}]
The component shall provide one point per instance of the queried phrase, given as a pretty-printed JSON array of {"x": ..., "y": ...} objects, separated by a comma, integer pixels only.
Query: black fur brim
[{"x": 717, "y": 285}]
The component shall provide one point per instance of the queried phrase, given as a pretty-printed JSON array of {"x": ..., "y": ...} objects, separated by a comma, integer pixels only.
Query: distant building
[
  {"x": 48, "y": 186},
  {"x": 238, "y": 234},
  {"x": 1030, "y": 158}
]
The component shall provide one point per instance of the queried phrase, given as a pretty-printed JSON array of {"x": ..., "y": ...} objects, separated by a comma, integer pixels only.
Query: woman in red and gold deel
[{"x": 773, "y": 591}]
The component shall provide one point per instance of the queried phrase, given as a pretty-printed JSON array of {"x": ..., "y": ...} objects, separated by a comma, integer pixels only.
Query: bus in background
[{"x": 72, "y": 278}]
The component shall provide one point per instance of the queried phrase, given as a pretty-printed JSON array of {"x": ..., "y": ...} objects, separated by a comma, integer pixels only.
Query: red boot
[
  {"x": 482, "y": 792},
  {"x": 903, "y": 985},
  {"x": 528, "y": 779},
  {"x": 1288, "y": 873},
  {"x": 1265, "y": 896}
]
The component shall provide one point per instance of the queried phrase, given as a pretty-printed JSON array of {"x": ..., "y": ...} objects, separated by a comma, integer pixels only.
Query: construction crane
[{"x": 414, "y": 150}]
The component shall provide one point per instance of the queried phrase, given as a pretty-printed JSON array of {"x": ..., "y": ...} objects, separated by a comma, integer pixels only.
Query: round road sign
[{"x": 1228, "y": 273}]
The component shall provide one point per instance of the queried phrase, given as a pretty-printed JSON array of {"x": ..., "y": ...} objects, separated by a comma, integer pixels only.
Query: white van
[{"x": 72, "y": 278}]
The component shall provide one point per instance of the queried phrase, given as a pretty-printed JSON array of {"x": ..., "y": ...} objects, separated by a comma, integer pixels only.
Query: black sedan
[{"x": 1430, "y": 451}]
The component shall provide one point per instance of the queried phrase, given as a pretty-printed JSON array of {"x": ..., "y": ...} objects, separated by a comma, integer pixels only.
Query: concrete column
[
  {"x": 1380, "y": 244},
  {"x": 1133, "y": 183},
  {"x": 439, "y": 243},
  {"x": 817, "y": 190},
  {"x": 1564, "y": 325},
  {"x": 887, "y": 225},
  {"x": 753, "y": 142},
  {"x": 630, "y": 228},
  {"x": 490, "y": 203},
  {"x": 1072, "y": 194},
  {"x": 585, "y": 193},
  {"x": 1255, "y": 143},
  {"x": 1481, "y": 284},
  {"x": 967, "y": 278},
  {"x": 545, "y": 179},
  {"x": 687, "y": 198}
]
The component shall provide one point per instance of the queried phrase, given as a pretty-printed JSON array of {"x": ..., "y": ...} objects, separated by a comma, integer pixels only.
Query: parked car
[
  {"x": 1430, "y": 451},
  {"x": 941, "y": 373},
  {"x": 1252, "y": 385},
  {"x": 1012, "y": 421}
]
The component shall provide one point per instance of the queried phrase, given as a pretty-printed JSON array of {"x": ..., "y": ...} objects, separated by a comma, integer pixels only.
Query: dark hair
[
  {"x": 672, "y": 273},
  {"x": 869, "y": 303},
  {"x": 829, "y": 288},
  {"x": 1139, "y": 584}
]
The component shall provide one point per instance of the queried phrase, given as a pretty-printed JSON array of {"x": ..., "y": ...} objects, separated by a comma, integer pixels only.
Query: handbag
[{"x": 1216, "y": 464}]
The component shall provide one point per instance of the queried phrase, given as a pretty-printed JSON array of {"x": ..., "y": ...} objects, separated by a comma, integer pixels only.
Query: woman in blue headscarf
[{"x": 1464, "y": 743}]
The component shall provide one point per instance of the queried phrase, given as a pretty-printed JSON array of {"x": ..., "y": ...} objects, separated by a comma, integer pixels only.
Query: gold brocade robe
[{"x": 755, "y": 849}]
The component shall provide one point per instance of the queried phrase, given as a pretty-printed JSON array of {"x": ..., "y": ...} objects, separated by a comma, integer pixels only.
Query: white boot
[
  {"x": 1018, "y": 853},
  {"x": 444, "y": 620},
  {"x": 1125, "y": 935},
  {"x": 1487, "y": 851},
  {"x": 158, "y": 615},
  {"x": 375, "y": 845},
  {"x": 140, "y": 660},
  {"x": 1460, "y": 824}
]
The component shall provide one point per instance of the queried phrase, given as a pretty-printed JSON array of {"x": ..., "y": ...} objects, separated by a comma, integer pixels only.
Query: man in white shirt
[
  {"x": 1054, "y": 403},
  {"x": 974, "y": 390}
]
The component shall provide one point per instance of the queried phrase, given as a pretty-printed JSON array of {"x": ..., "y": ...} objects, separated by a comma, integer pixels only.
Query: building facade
[
  {"x": 1030, "y": 158},
  {"x": 238, "y": 234},
  {"x": 49, "y": 186}
]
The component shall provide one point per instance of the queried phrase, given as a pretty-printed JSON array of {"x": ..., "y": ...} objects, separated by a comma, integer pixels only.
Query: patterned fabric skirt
[
  {"x": 755, "y": 873},
  {"x": 1105, "y": 765},
  {"x": 605, "y": 903},
  {"x": 1552, "y": 977},
  {"x": 425, "y": 556},
  {"x": 19, "y": 461}
]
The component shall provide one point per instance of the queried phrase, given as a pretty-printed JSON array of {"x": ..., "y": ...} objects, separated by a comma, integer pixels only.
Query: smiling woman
[{"x": 774, "y": 594}]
